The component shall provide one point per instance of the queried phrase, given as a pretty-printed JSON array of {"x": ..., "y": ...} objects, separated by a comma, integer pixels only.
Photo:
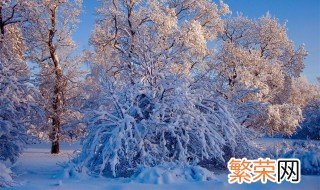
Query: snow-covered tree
[
  {"x": 257, "y": 62},
  {"x": 14, "y": 93},
  {"x": 50, "y": 45},
  {"x": 150, "y": 108},
  {"x": 18, "y": 109}
]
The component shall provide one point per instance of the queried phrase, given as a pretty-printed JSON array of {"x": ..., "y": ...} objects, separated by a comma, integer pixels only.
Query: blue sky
[{"x": 303, "y": 24}]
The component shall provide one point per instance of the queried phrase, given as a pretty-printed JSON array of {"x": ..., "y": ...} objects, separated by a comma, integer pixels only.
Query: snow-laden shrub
[
  {"x": 5, "y": 176},
  {"x": 134, "y": 128},
  {"x": 308, "y": 152},
  {"x": 172, "y": 173}
]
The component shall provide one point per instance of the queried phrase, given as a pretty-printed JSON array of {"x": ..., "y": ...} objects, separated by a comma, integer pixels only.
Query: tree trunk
[
  {"x": 1, "y": 22},
  {"x": 55, "y": 148},
  {"x": 55, "y": 135},
  {"x": 58, "y": 100}
]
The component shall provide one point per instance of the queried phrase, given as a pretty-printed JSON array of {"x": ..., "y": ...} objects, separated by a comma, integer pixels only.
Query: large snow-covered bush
[{"x": 133, "y": 128}]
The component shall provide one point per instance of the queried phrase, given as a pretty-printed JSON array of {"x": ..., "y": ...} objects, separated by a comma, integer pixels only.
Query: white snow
[
  {"x": 173, "y": 173},
  {"x": 5, "y": 175},
  {"x": 38, "y": 169}
]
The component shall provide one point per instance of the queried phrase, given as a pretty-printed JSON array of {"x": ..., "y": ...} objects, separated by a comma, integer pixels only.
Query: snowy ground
[{"x": 38, "y": 169}]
